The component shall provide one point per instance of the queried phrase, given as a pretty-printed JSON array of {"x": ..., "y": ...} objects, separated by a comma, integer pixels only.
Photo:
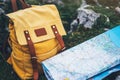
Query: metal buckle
[
  {"x": 33, "y": 57},
  {"x": 63, "y": 48}
]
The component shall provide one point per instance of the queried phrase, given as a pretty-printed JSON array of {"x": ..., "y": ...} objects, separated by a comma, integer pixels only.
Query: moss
[{"x": 68, "y": 13}]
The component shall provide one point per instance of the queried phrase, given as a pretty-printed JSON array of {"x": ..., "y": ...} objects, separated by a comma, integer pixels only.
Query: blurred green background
[{"x": 68, "y": 12}]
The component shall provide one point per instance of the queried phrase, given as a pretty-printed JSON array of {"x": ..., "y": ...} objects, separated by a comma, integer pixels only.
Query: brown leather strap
[
  {"x": 33, "y": 55},
  {"x": 24, "y": 5},
  {"x": 14, "y": 5},
  {"x": 58, "y": 37}
]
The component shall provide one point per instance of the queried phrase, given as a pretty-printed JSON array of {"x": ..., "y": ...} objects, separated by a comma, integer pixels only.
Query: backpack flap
[{"x": 38, "y": 21}]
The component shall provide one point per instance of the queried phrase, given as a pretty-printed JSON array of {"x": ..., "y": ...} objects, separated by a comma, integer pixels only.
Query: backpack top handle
[{"x": 14, "y": 5}]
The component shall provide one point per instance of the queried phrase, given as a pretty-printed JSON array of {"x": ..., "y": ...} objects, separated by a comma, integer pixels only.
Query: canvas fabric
[{"x": 46, "y": 45}]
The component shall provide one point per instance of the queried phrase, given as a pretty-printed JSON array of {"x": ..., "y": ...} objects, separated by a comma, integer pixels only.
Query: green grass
[{"x": 68, "y": 13}]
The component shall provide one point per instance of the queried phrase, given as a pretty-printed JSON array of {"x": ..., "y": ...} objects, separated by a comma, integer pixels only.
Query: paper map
[{"x": 86, "y": 59}]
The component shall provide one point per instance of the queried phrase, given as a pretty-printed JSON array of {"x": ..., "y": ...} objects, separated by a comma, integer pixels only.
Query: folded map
[{"x": 87, "y": 59}]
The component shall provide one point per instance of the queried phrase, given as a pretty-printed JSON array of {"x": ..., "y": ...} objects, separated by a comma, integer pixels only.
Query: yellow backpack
[{"x": 35, "y": 35}]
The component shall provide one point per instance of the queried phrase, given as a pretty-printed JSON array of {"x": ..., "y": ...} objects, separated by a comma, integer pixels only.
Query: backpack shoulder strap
[
  {"x": 14, "y": 4},
  {"x": 24, "y": 5}
]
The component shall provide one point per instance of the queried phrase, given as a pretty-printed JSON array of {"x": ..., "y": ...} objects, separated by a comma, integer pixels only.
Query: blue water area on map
[{"x": 114, "y": 35}]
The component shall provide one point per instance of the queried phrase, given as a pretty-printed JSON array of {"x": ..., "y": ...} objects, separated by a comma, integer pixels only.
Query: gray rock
[
  {"x": 118, "y": 78},
  {"x": 2, "y": 11},
  {"x": 117, "y": 9},
  {"x": 85, "y": 17}
]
